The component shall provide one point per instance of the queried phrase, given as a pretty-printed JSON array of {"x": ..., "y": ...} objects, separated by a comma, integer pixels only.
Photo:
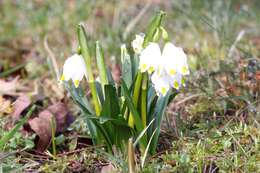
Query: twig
[
  {"x": 188, "y": 98},
  {"x": 52, "y": 57},
  {"x": 133, "y": 22}
]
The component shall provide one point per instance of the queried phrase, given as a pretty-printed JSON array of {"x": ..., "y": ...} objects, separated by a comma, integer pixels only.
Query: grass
[{"x": 213, "y": 126}]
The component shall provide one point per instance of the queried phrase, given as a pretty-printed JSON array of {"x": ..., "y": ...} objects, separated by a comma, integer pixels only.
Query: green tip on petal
[
  {"x": 172, "y": 72},
  {"x": 176, "y": 84},
  {"x": 163, "y": 91},
  {"x": 143, "y": 67},
  {"x": 76, "y": 83},
  {"x": 150, "y": 70},
  {"x": 62, "y": 77},
  {"x": 184, "y": 70}
]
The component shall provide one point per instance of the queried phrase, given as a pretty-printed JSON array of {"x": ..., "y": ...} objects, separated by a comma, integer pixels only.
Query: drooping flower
[
  {"x": 74, "y": 68},
  {"x": 168, "y": 67},
  {"x": 137, "y": 43},
  {"x": 160, "y": 82},
  {"x": 150, "y": 58},
  {"x": 174, "y": 60}
]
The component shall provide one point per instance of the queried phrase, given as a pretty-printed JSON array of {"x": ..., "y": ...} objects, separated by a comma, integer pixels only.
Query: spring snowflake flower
[
  {"x": 168, "y": 67},
  {"x": 174, "y": 60},
  {"x": 150, "y": 58},
  {"x": 160, "y": 82},
  {"x": 137, "y": 43},
  {"x": 74, "y": 68}
]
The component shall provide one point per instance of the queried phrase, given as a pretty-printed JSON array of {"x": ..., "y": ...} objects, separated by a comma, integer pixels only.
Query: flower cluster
[{"x": 167, "y": 68}]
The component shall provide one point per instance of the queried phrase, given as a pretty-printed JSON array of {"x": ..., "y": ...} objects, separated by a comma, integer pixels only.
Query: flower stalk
[{"x": 144, "y": 99}]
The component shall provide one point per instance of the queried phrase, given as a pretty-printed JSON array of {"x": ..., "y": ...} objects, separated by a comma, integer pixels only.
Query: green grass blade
[
  {"x": 147, "y": 148},
  {"x": 142, "y": 133},
  {"x": 11, "y": 134},
  {"x": 12, "y": 70}
]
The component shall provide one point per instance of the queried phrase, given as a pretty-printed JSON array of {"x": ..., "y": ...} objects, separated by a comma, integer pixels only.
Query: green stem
[
  {"x": 144, "y": 99},
  {"x": 135, "y": 97}
]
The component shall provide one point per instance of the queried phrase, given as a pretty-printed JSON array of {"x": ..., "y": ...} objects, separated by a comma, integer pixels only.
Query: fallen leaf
[
  {"x": 108, "y": 169},
  {"x": 19, "y": 106},
  {"x": 62, "y": 115},
  {"x": 41, "y": 125},
  {"x": 8, "y": 86},
  {"x": 12, "y": 88},
  {"x": 5, "y": 106}
]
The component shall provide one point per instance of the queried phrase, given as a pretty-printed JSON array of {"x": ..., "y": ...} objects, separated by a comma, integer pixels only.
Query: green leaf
[
  {"x": 159, "y": 112},
  {"x": 126, "y": 66},
  {"x": 82, "y": 37},
  {"x": 130, "y": 105},
  {"x": 142, "y": 133},
  {"x": 111, "y": 105},
  {"x": 147, "y": 148},
  {"x": 101, "y": 64}
]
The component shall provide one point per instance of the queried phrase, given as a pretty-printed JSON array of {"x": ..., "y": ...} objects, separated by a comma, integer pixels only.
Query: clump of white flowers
[
  {"x": 167, "y": 68},
  {"x": 74, "y": 68}
]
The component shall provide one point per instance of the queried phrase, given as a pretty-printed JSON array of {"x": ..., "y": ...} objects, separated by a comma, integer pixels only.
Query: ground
[{"x": 213, "y": 125}]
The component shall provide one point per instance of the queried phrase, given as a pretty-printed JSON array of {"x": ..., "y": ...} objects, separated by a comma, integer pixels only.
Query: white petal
[
  {"x": 74, "y": 68},
  {"x": 150, "y": 58},
  {"x": 176, "y": 81},
  {"x": 137, "y": 43},
  {"x": 160, "y": 82},
  {"x": 174, "y": 60}
]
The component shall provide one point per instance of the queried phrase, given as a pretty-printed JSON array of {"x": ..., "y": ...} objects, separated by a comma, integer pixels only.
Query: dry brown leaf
[
  {"x": 62, "y": 116},
  {"x": 19, "y": 106},
  {"x": 8, "y": 86},
  {"x": 108, "y": 169},
  {"x": 5, "y": 106},
  {"x": 41, "y": 125},
  {"x": 13, "y": 87}
]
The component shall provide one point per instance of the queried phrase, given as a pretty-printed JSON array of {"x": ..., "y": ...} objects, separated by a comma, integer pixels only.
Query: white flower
[
  {"x": 137, "y": 43},
  {"x": 150, "y": 58},
  {"x": 174, "y": 60},
  {"x": 74, "y": 68},
  {"x": 160, "y": 82},
  {"x": 176, "y": 81}
]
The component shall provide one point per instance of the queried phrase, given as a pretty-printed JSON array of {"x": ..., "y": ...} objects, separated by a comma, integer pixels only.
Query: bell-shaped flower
[
  {"x": 160, "y": 82},
  {"x": 137, "y": 43},
  {"x": 176, "y": 81},
  {"x": 174, "y": 60},
  {"x": 74, "y": 68},
  {"x": 150, "y": 58}
]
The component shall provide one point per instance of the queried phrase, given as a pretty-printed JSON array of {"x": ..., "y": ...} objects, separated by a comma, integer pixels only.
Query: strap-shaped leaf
[
  {"x": 111, "y": 104},
  {"x": 130, "y": 105},
  {"x": 126, "y": 66},
  {"x": 159, "y": 112}
]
